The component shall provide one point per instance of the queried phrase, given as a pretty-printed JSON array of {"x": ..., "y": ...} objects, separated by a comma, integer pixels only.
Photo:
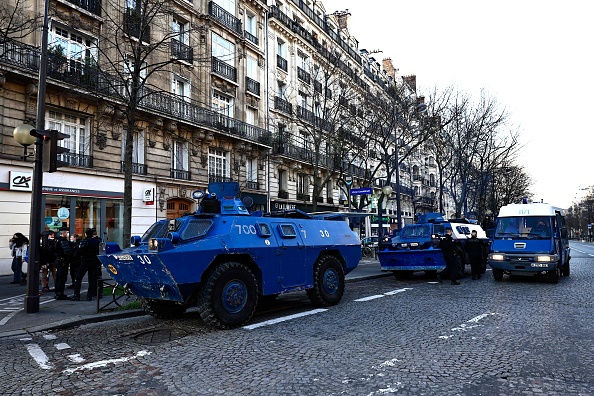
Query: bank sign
[{"x": 20, "y": 181}]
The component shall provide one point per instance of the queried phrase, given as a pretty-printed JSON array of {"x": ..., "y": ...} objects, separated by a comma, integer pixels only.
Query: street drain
[{"x": 159, "y": 336}]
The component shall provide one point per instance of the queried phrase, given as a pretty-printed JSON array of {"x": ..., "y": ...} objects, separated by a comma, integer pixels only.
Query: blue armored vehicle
[
  {"x": 224, "y": 259},
  {"x": 415, "y": 247}
]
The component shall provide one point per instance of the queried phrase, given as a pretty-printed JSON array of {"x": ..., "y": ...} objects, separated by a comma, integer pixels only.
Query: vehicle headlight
[
  {"x": 414, "y": 244},
  {"x": 153, "y": 244},
  {"x": 544, "y": 258},
  {"x": 498, "y": 257},
  {"x": 404, "y": 245}
]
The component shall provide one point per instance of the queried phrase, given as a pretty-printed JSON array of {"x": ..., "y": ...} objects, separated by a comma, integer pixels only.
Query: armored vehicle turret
[{"x": 224, "y": 259}]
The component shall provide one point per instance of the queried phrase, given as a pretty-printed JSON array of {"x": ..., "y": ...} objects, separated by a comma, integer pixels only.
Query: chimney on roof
[
  {"x": 411, "y": 81},
  {"x": 388, "y": 66}
]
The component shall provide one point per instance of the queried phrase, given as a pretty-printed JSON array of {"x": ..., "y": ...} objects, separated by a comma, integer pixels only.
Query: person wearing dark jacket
[
  {"x": 87, "y": 252},
  {"x": 474, "y": 248},
  {"x": 448, "y": 248},
  {"x": 63, "y": 254}
]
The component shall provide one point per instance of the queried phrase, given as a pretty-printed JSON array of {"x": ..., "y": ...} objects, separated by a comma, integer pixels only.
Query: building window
[
  {"x": 181, "y": 31},
  {"x": 250, "y": 27},
  {"x": 222, "y": 103},
  {"x": 302, "y": 183},
  {"x": 252, "y": 170},
  {"x": 223, "y": 49},
  {"x": 218, "y": 165},
  {"x": 302, "y": 61},
  {"x": 251, "y": 116},
  {"x": 282, "y": 180},
  {"x": 252, "y": 68},
  {"x": 137, "y": 146},
  {"x": 76, "y": 127},
  {"x": 179, "y": 155},
  {"x": 76, "y": 48},
  {"x": 281, "y": 48},
  {"x": 228, "y": 5}
]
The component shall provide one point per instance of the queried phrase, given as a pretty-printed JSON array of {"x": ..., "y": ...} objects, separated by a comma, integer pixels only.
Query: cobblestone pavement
[{"x": 413, "y": 337}]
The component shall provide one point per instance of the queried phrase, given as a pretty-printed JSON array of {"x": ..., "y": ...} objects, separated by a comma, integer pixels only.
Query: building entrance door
[{"x": 177, "y": 208}]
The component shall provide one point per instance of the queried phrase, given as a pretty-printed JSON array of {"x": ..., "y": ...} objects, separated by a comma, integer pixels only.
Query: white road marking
[
  {"x": 103, "y": 363},
  {"x": 8, "y": 317},
  {"x": 284, "y": 319},
  {"x": 397, "y": 291},
  {"x": 464, "y": 326},
  {"x": 76, "y": 358},
  {"x": 370, "y": 298},
  {"x": 50, "y": 336},
  {"x": 39, "y": 356},
  {"x": 61, "y": 346}
]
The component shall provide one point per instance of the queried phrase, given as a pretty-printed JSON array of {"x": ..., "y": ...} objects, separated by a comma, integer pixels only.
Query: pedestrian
[
  {"x": 448, "y": 249},
  {"x": 74, "y": 263},
  {"x": 88, "y": 250},
  {"x": 476, "y": 254},
  {"x": 19, "y": 246},
  {"x": 47, "y": 259},
  {"x": 63, "y": 253}
]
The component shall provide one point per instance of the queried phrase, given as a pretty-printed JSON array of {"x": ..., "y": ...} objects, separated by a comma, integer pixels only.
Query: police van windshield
[{"x": 524, "y": 227}]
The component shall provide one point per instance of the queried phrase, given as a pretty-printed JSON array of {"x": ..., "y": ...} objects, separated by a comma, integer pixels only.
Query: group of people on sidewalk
[{"x": 60, "y": 256}]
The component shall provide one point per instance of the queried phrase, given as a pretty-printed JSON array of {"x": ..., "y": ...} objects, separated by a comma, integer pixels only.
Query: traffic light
[{"x": 51, "y": 150}]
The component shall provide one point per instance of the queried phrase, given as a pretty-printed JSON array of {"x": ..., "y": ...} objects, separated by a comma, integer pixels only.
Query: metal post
[
  {"x": 32, "y": 296},
  {"x": 397, "y": 170}
]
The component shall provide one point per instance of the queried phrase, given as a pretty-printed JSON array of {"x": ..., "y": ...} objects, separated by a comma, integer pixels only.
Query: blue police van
[{"x": 530, "y": 239}]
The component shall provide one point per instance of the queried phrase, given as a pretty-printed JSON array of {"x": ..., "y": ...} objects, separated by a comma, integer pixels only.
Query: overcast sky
[{"x": 535, "y": 57}]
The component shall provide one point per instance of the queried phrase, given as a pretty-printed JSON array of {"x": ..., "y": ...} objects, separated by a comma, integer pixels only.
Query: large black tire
[
  {"x": 162, "y": 309},
  {"x": 229, "y": 296},
  {"x": 328, "y": 279},
  {"x": 497, "y": 274}
]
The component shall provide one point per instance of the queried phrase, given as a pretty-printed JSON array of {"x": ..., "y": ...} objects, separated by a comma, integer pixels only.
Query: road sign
[
  {"x": 362, "y": 191},
  {"x": 348, "y": 180}
]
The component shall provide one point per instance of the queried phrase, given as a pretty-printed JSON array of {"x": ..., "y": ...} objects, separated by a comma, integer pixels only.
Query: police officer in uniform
[
  {"x": 448, "y": 248},
  {"x": 63, "y": 254},
  {"x": 88, "y": 250}
]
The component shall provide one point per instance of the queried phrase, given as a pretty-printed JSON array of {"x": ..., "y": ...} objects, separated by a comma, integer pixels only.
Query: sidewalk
[{"x": 55, "y": 314}]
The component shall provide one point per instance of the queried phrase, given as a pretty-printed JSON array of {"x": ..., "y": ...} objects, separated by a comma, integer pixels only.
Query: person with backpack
[
  {"x": 63, "y": 254},
  {"x": 87, "y": 252}
]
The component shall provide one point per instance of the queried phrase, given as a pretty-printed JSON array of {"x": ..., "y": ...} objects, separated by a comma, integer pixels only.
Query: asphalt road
[{"x": 415, "y": 337}]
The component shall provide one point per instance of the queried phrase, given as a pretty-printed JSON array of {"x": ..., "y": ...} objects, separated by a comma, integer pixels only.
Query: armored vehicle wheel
[
  {"x": 554, "y": 275},
  {"x": 328, "y": 282},
  {"x": 162, "y": 309},
  {"x": 229, "y": 296},
  {"x": 565, "y": 270},
  {"x": 497, "y": 274}
]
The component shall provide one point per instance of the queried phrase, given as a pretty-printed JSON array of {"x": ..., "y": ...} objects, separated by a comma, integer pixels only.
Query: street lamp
[
  {"x": 22, "y": 134},
  {"x": 386, "y": 190}
]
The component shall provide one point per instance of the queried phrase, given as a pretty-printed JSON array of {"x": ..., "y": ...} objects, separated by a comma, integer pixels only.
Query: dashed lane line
[
  {"x": 284, "y": 319},
  {"x": 376, "y": 296}
]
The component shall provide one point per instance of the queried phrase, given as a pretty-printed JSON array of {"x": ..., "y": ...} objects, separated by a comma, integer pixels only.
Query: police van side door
[{"x": 561, "y": 233}]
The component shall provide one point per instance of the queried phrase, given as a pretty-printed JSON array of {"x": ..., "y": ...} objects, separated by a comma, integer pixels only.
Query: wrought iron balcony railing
[
  {"x": 252, "y": 185},
  {"x": 90, "y": 78},
  {"x": 223, "y": 69},
  {"x": 303, "y": 75},
  {"x": 224, "y": 17},
  {"x": 283, "y": 105},
  {"x": 179, "y": 174},
  {"x": 252, "y": 86},
  {"x": 139, "y": 169},
  {"x": 303, "y": 197},
  {"x": 77, "y": 160},
  {"x": 281, "y": 63},
  {"x": 218, "y": 178},
  {"x": 93, "y": 6},
  {"x": 305, "y": 115},
  {"x": 182, "y": 51},
  {"x": 251, "y": 37}
]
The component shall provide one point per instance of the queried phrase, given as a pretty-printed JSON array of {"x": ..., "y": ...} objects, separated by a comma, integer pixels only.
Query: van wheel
[
  {"x": 328, "y": 279},
  {"x": 229, "y": 296},
  {"x": 497, "y": 274},
  {"x": 554, "y": 275},
  {"x": 565, "y": 270}
]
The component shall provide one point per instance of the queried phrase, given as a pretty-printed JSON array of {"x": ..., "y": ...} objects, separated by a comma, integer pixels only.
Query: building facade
[{"x": 269, "y": 94}]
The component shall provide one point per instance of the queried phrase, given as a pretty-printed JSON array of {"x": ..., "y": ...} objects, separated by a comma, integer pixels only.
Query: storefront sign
[
  {"x": 148, "y": 195},
  {"x": 20, "y": 181}
]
